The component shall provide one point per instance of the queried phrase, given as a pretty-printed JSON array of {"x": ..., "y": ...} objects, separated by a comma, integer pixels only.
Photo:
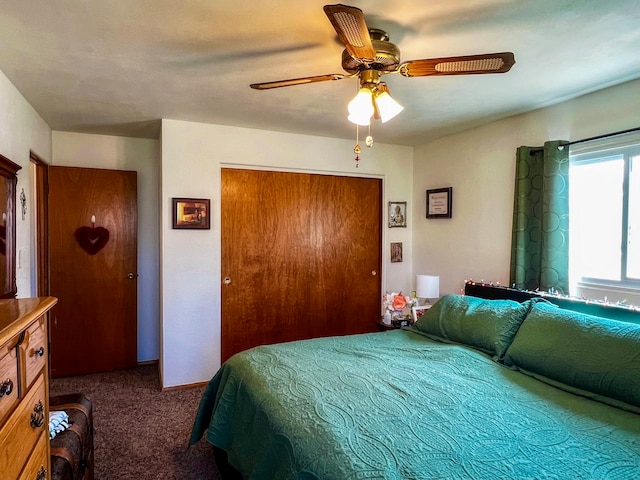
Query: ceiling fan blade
[
  {"x": 297, "y": 81},
  {"x": 465, "y": 65},
  {"x": 352, "y": 30}
]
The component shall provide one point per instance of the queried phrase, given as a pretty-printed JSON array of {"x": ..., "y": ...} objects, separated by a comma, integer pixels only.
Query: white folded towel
[{"x": 58, "y": 422}]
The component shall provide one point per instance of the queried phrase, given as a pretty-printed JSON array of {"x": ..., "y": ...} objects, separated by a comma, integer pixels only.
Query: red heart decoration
[{"x": 92, "y": 239}]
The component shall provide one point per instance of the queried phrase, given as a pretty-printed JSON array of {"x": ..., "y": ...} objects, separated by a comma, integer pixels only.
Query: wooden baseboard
[
  {"x": 148, "y": 362},
  {"x": 177, "y": 387},
  {"x": 184, "y": 387}
]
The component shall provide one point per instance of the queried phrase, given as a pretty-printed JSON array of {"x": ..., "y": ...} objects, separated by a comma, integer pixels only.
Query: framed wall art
[
  {"x": 191, "y": 213},
  {"x": 396, "y": 252},
  {"x": 419, "y": 310},
  {"x": 397, "y": 214},
  {"x": 439, "y": 202}
]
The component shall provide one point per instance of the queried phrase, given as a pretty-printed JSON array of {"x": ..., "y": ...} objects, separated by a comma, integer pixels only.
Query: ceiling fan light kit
[
  {"x": 369, "y": 54},
  {"x": 376, "y": 103},
  {"x": 372, "y": 100}
]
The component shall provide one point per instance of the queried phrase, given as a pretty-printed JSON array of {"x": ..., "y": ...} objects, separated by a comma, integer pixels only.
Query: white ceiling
[{"x": 117, "y": 66}]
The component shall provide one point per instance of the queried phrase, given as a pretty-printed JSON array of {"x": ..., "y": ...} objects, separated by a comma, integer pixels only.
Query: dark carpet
[{"x": 141, "y": 433}]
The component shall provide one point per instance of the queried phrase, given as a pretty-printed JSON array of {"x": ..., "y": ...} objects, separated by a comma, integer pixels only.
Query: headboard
[{"x": 599, "y": 309}]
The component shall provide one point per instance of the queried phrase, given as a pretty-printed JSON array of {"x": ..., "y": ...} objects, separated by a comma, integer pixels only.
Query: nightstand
[
  {"x": 383, "y": 326},
  {"x": 396, "y": 323}
]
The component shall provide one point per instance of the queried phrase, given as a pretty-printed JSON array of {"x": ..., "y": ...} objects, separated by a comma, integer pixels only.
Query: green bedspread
[{"x": 397, "y": 405}]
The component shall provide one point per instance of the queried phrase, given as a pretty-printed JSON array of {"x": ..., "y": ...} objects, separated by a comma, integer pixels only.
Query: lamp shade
[
  {"x": 361, "y": 120},
  {"x": 427, "y": 286},
  {"x": 361, "y": 107},
  {"x": 387, "y": 106}
]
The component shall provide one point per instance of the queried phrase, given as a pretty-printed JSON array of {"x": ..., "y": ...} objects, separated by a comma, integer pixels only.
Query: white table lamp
[{"x": 427, "y": 286}]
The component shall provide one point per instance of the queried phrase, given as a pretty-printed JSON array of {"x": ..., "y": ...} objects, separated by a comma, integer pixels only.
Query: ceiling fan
[{"x": 369, "y": 54}]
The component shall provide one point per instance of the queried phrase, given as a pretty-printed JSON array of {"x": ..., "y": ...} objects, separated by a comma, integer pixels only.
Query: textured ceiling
[{"x": 118, "y": 66}]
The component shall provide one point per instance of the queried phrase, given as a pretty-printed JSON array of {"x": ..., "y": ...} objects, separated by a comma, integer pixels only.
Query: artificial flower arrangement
[{"x": 396, "y": 305}]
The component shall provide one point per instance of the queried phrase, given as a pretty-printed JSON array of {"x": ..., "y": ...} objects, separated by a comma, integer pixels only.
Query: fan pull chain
[
  {"x": 357, "y": 148},
  {"x": 369, "y": 140}
]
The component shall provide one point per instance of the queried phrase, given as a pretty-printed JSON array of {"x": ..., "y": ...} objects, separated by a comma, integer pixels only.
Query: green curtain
[{"x": 540, "y": 241}]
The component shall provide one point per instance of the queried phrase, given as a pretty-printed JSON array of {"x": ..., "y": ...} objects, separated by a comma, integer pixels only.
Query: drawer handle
[
  {"x": 39, "y": 352},
  {"x": 37, "y": 417},
  {"x": 42, "y": 474},
  {"x": 6, "y": 388}
]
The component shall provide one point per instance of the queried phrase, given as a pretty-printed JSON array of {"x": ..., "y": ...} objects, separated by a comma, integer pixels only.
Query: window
[{"x": 604, "y": 223}]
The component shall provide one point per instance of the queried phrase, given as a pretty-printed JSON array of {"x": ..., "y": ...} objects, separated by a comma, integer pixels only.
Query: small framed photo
[
  {"x": 191, "y": 213},
  {"x": 439, "y": 201},
  {"x": 397, "y": 214},
  {"x": 418, "y": 311},
  {"x": 396, "y": 252}
]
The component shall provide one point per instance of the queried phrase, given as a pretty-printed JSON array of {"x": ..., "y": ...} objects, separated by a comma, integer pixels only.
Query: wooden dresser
[{"x": 24, "y": 389}]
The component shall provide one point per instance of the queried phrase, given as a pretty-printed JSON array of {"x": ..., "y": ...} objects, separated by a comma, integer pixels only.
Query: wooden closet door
[{"x": 301, "y": 254}]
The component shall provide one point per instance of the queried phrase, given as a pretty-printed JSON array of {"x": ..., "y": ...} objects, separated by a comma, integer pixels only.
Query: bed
[{"x": 476, "y": 389}]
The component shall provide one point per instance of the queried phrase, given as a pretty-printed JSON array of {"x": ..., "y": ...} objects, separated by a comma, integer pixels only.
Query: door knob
[
  {"x": 131, "y": 276},
  {"x": 227, "y": 280}
]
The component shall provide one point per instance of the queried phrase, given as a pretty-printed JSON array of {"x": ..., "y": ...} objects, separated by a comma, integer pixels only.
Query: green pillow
[
  {"x": 487, "y": 325},
  {"x": 583, "y": 351}
]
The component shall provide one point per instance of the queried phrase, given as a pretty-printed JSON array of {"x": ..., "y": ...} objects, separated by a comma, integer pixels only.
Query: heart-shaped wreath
[{"x": 92, "y": 239}]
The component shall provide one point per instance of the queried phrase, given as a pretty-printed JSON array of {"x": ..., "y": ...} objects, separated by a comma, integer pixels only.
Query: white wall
[
  {"x": 480, "y": 166},
  {"x": 142, "y": 156},
  {"x": 23, "y": 130},
  {"x": 192, "y": 157}
]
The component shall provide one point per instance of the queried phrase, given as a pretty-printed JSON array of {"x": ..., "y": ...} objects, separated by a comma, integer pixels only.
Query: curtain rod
[
  {"x": 534, "y": 150},
  {"x": 606, "y": 135}
]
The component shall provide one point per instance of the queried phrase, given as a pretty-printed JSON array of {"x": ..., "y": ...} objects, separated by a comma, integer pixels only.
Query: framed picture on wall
[
  {"x": 439, "y": 202},
  {"x": 191, "y": 213},
  {"x": 419, "y": 310},
  {"x": 396, "y": 252},
  {"x": 397, "y": 214}
]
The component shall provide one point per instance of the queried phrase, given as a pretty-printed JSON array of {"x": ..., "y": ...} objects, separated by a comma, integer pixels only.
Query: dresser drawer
[
  {"x": 8, "y": 379},
  {"x": 37, "y": 467},
  {"x": 35, "y": 349},
  {"x": 18, "y": 436}
]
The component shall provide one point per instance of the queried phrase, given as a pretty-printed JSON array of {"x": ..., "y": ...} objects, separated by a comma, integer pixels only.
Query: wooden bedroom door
[
  {"x": 94, "y": 324},
  {"x": 301, "y": 257}
]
